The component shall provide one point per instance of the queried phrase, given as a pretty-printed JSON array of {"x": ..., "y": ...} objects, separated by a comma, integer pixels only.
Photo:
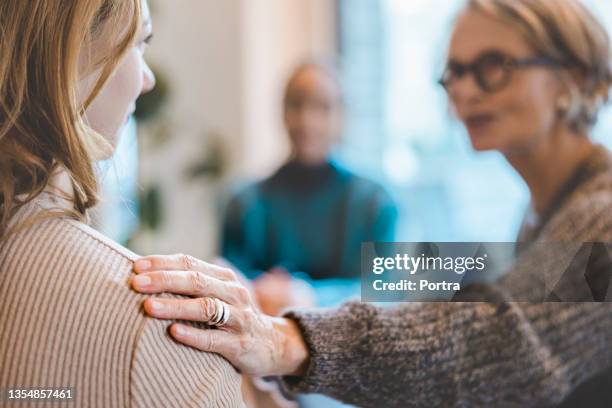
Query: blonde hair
[
  {"x": 43, "y": 44},
  {"x": 566, "y": 31}
]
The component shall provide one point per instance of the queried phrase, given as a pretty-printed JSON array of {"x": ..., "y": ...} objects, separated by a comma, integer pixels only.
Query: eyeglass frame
[{"x": 510, "y": 65}]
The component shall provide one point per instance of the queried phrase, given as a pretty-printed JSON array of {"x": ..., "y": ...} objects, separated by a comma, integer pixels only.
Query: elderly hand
[{"x": 255, "y": 343}]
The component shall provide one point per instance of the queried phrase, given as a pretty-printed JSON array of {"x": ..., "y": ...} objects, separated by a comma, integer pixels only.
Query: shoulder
[
  {"x": 166, "y": 374},
  {"x": 51, "y": 236},
  {"x": 242, "y": 198},
  {"x": 97, "y": 240},
  {"x": 61, "y": 248},
  {"x": 250, "y": 195},
  {"x": 365, "y": 189},
  {"x": 587, "y": 216},
  {"x": 71, "y": 287},
  {"x": 245, "y": 191},
  {"x": 82, "y": 278},
  {"x": 51, "y": 247}
]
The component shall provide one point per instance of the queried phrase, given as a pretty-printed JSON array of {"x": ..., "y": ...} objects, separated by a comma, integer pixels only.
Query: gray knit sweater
[{"x": 475, "y": 354}]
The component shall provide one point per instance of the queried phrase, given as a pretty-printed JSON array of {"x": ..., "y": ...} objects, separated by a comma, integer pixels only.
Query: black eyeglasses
[{"x": 492, "y": 70}]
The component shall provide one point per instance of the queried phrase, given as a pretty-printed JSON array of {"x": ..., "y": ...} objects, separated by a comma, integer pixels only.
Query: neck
[
  {"x": 548, "y": 164},
  {"x": 309, "y": 161},
  {"x": 59, "y": 193}
]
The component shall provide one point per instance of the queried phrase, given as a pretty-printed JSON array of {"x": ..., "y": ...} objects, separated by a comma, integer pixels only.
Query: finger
[
  {"x": 164, "y": 262},
  {"x": 197, "y": 310},
  {"x": 280, "y": 271},
  {"x": 214, "y": 341},
  {"x": 191, "y": 284},
  {"x": 222, "y": 262},
  {"x": 238, "y": 275},
  {"x": 182, "y": 262}
]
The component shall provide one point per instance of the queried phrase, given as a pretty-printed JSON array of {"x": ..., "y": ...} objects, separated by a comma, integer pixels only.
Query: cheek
[
  {"x": 320, "y": 122},
  {"x": 529, "y": 105},
  {"x": 125, "y": 85},
  {"x": 112, "y": 105},
  {"x": 291, "y": 120}
]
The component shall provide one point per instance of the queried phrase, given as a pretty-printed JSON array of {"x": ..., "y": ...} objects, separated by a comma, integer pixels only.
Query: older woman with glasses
[{"x": 527, "y": 78}]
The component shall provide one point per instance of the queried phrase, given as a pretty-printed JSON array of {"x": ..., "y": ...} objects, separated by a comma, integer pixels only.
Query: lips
[{"x": 479, "y": 122}]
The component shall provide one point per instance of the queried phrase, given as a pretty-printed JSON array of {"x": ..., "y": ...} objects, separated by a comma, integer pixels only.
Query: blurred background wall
[
  {"x": 216, "y": 120},
  {"x": 224, "y": 64}
]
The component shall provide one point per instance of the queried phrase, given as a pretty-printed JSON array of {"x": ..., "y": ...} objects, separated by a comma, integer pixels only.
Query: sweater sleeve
[
  {"x": 166, "y": 374},
  {"x": 463, "y": 354},
  {"x": 472, "y": 353}
]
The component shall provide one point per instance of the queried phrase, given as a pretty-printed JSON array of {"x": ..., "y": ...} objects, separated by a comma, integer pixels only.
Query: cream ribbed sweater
[{"x": 69, "y": 319}]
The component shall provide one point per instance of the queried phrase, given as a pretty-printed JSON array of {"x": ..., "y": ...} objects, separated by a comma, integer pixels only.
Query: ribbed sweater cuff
[{"x": 329, "y": 360}]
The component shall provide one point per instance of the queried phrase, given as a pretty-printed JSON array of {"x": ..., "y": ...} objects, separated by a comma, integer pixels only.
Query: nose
[
  {"x": 464, "y": 89},
  {"x": 148, "y": 82}
]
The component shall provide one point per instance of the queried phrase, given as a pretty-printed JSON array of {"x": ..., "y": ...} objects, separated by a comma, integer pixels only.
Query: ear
[
  {"x": 572, "y": 86},
  {"x": 567, "y": 83},
  {"x": 577, "y": 77}
]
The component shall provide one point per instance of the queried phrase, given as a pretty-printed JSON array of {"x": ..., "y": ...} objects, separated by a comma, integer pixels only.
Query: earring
[{"x": 563, "y": 104}]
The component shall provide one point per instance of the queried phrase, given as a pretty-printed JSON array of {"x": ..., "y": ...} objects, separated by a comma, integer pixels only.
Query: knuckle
[
  {"x": 186, "y": 262},
  {"x": 242, "y": 294},
  {"x": 244, "y": 344},
  {"x": 243, "y": 320},
  {"x": 165, "y": 279},
  {"x": 207, "y": 307},
  {"x": 253, "y": 318},
  {"x": 179, "y": 308},
  {"x": 227, "y": 274},
  {"x": 208, "y": 342},
  {"x": 198, "y": 283}
]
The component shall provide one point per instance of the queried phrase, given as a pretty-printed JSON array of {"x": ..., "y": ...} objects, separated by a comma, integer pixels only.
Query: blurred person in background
[
  {"x": 527, "y": 78},
  {"x": 312, "y": 214}
]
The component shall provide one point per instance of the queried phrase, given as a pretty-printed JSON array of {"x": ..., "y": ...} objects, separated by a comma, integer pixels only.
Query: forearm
[
  {"x": 443, "y": 354},
  {"x": 360, "y": 354}
]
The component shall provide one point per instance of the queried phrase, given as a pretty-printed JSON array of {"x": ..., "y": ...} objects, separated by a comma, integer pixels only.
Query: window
[
  {"x": 400, "y": 129},
  {"x": 117, "y": 213}
]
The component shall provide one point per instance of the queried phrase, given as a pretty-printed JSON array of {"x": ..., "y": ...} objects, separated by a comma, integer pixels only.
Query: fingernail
[
  {"x": 179, "y": 330},
  {"x": 142, "y": 281},
  {"x": 143, "y": 265},
  {"x": 155, "y": 306}
]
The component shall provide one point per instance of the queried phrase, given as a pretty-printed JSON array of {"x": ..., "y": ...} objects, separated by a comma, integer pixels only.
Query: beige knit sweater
[{"x": 69, "y": 319}]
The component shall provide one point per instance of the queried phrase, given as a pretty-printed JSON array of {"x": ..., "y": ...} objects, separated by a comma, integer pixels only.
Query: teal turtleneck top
[{"x": 309, "y": 219}]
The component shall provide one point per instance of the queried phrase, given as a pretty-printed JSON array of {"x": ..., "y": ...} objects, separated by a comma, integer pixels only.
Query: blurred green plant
[
  {"x": 212, "y": 164},
  {"x": 151, "y": 208},
  {"x": 150, "y": 104}
]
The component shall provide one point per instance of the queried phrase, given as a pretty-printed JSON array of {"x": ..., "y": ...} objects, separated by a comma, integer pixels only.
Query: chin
[
  {"x": 482, "y": 147},
  {"x": 107, "y": 152},
  {"x": 484, "y": 142},
  {"x": 108, "y": 149}
]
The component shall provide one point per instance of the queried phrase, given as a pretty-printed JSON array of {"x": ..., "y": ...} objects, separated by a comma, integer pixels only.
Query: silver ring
[
  {"x": 226, "y": 315},
  {"x": 221, "y": 315},
  {"x": 217, "y": 316}
]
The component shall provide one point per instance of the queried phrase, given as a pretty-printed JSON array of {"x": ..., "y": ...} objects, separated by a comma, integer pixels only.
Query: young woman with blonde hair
[
  {"x": 527, "y": 78},
  {"x": 70, "y": 73}
]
